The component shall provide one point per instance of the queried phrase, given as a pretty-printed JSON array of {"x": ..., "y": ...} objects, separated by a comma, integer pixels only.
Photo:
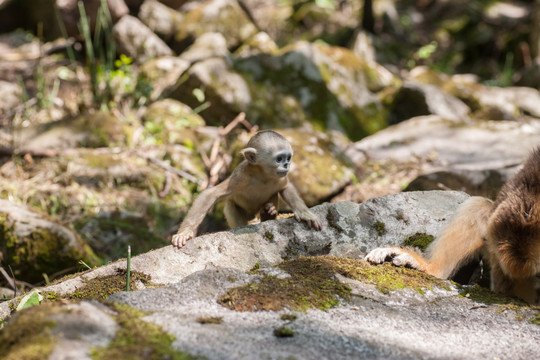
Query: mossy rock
[
  {"x": 169, "y": 121},
  {"x": 312, "y": 284},
  {"x": 101, "y": 129},
  {"x": 33, "y": 245},
  {"x": 225, "y": 17},
  {"x": 110, "y": 233},
  {"x": 319, "y": 169},
  {"x": 304, "y": 82},
  {"x": 28, "y": 335}
]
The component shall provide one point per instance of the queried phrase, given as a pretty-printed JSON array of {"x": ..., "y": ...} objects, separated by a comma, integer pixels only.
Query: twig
[
  {"x": 215, "y": 162},
  {"x": 14, "y": 279},
  {"x": 10, "y": 281},
  {"x": 167, "y": 186},
  {"x": 174, "y": 170}
]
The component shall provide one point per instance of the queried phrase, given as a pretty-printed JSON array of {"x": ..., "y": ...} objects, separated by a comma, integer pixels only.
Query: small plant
[
  {"x": 128, "y": 268},
  {"x": 283, "y": 331},
  {"x": 210, "y": 320},
  {"x": 380, "y": 227}
]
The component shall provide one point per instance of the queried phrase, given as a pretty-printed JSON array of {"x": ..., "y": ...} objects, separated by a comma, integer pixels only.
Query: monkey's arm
[
  {"x": 460, "y": 241},
  {"x": 301, "y": 211},
  {"x": 201, "y": 206}
]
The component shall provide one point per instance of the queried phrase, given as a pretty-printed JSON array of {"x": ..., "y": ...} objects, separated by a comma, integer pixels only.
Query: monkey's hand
[
  {"x": 310, "y": 218},
  {"x": 395, "y": 255},
  {"x": 181, "y": 237}
]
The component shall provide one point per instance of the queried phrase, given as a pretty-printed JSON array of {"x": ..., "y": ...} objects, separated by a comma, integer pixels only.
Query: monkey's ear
[{"x": 250, "y": 154}]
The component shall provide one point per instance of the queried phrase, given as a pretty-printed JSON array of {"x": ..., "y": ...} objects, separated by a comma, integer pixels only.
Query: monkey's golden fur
[{"x": 506, "y": 233}]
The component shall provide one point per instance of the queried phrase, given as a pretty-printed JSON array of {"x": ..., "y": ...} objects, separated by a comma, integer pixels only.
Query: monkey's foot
[
  {"x": 396, "y": 256},
  {"x": 268, "y": 212},
  {"x": 180, "y": 239},
  {"x": 310, "y": 219}
]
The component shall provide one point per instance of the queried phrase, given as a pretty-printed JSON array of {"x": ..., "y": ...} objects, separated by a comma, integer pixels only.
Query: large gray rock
[
  {"x": 33, "y": 245},
  {"x": 370, "y": 324},
  {"x": 349, "y": 229},
  {"x": 474, "y": 145},
  {"x": 416, "y": 99},
  {"x": 160, "y": 18},
  {"x": 136, "y": 40}
]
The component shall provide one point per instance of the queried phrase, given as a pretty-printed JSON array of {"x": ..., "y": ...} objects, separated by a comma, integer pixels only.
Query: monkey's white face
[{"x": 282, "y": 162}]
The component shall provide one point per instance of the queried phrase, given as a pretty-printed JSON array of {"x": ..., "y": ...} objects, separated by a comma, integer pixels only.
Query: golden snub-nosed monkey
[
  {"x": 253, "y": 187},
  {"x": 506, "y": 233}
]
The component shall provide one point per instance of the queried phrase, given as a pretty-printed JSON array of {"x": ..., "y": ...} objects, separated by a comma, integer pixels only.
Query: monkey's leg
[
  {"x": 235, "y": 215},
  {"x": 461, "y": 240},
  {"x": 269, "y": 210}
]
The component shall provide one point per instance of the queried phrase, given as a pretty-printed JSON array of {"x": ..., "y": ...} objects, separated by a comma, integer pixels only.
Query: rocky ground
[
  {"x": 102, "y": 151},
  {"x": 278, "y": 290}
]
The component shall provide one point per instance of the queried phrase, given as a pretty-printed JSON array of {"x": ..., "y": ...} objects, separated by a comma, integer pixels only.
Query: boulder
[
  {"x": 90, "y": 130},
  {"x": 207, "y": 307},
  {"x": 222, "y": 16},
  {"x": 349, "y": 230},
  {"x": 33, "y": 245},
  {"x": 214, "y": 81},
  {"x": 443, "y": 145},
  {"x": 416, "y": 99},
  {"x": 169, "y": 121},
  {"x": 162, "y": 73},
  {"x": 137, "y": 41},
  {"x": 161, "y": 19},
  {"x": 206, "y": 46}
]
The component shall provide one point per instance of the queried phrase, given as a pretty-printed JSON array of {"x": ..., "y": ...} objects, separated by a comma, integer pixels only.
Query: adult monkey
[
  {"x": 506, "y": 233},
  {"x": 254, "y": 186}
]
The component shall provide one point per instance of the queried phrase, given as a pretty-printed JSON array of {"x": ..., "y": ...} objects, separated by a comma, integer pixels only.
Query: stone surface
[{"x": 137, "y": 41}]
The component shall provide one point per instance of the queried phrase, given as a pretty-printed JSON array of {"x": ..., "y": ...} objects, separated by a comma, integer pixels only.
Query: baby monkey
[
  {"x": 506, "y": 233},
  {"x": 253, "y": 187}
]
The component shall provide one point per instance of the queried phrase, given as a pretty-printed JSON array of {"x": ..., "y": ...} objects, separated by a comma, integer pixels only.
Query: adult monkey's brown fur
[
  {"x": 505, "y": 232},
  {"x": 254, "y": 186}
]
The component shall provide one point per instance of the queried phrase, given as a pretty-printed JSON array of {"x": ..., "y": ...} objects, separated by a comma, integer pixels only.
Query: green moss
[
  {"x": 536, "y": 319},
  {"x": 41, "y": 251},
  {"x": 138, "y": 339},
  {"x": 283, "y": 332},
  {"x": 312, "y": 284},
  {"x": 288, "y": 317},
  {"x": 7, "y": 233},
  {"x": 27, "y": 336},
  {"x": 380, "y": 227},
  {"x": 210, "y": 320},
  {"x": 269, "y": 236},
  {"x": 385, "y": 277},
  {"x": 505, "y": 303},
  {"x": 419, "y": 240},
  {"x": 483, "y": 295},
  {"x": 101, "y": 287},
  {"x": 255, "y": 268}
]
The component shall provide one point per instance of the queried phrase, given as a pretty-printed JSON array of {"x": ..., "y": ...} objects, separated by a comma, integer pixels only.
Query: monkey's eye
[
  {"x": 279, "y": 159},
  {"x": 289, "y": 158}
]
